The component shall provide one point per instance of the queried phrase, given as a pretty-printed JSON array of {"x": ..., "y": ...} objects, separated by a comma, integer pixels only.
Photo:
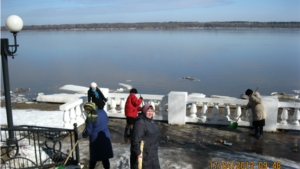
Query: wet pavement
[{"x": 196, "y": 146}]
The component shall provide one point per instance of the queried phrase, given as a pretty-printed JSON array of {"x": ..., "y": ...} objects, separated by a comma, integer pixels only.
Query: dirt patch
[{"x": 34, "y": 105}]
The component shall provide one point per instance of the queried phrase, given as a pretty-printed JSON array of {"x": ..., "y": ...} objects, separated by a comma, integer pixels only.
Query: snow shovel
[
  {"x": 64, "y": 165},
  {"x": 140, "y": 160},
  {"x": 234, "y": 125}
]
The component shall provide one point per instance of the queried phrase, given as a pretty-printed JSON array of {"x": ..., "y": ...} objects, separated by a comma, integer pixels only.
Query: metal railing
[{"x": 38, "y": 147}]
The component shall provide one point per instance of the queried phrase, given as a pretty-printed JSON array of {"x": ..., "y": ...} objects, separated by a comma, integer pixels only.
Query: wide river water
[{"x": 227, "y": 61}]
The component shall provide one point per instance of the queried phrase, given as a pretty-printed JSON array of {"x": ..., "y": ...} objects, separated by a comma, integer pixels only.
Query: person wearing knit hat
[
  {"x": 132, "y": 106},
  {"x": 146, "y": 130},
  {"x": 96, "y": 96},
  {"x": 256, "y": 105}
]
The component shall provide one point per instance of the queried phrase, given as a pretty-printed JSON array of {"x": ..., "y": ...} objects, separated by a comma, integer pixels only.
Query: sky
[{"x": 52, "y": 12}]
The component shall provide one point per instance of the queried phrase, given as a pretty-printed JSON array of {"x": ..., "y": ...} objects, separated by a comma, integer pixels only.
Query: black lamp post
[{"x": 14, "y": 24}]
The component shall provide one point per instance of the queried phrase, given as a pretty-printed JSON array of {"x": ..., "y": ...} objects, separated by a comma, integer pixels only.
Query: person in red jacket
[{"x": 132, "y": 106}]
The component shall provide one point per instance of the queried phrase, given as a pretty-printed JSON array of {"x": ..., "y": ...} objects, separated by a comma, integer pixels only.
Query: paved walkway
[{"x": 195, "y": 146}]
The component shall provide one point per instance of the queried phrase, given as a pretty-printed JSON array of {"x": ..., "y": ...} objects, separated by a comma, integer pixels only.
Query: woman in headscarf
[
  {"x": 145, "y": 130},
  {"x": 258, "y": 111},
  {"x": 96, "y": 96}
]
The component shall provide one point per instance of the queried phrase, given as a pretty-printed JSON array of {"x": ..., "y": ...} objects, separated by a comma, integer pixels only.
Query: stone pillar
[
  {"x": 271, "y": 107},
  {"x": 177, "y": 107}
]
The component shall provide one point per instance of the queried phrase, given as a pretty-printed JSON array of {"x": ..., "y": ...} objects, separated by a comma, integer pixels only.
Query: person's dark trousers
[
  {"x": 256, "y": 131},
  {"x": 261, "y": 130},
  {"x": 105, "y": 164},
  {"x": 256, "y": 134},
  {"x": 128, "y": 129}
]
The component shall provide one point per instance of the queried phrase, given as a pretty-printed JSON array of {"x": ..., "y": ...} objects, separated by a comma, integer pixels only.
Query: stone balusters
[
  {"x": 67, "y": 119},
  {"x": 204, "y": 111},
  {"x": 215, "y": 115},
  {"x": 122, "y": 106},
  {"x": 113, "y": 106},
  {"x": 284, "y": 116},
  {"x": 73, "y": 113},
  {"x": 193, "y": 111},
  {"x": 162, "y": 106},
  {"x": 238, "y": 112},
  {"x": 226, "y": 112},
  {"x": 296, "y": 117},
  {"x": 80, "y": 118}
]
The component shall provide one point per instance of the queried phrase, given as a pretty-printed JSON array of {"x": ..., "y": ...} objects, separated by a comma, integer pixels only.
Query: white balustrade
[
  {"x": 72, "y": 115},
  {"x": 238, "y": 112},
  {"x": 215, "y": 112},
  {"x": 204, "y": 111},
  {"x": 79, "y": 115},
  {"x": 113, "y": 106},
  {"x": 296, "y": 117},
  {"x": 284, "y": 116},
  {"x": 226, "y": 112},
  {"x": 67, "y": 119},
  {"x": 176, "y": 111},
  {"x": 122, "y": 106},
  {"x": 193, "y": 111},
  {"x": 73, "y": 112}
]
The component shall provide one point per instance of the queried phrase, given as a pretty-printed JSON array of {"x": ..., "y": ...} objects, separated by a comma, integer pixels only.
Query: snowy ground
[{"x": 170, "y": 157}]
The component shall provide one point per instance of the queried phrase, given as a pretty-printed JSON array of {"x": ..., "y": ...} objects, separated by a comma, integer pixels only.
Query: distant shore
[{"x": 163, "y": 25}]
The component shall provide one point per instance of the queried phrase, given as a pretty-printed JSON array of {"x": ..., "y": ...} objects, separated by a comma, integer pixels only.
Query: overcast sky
[{"x": 41, "y": 12}]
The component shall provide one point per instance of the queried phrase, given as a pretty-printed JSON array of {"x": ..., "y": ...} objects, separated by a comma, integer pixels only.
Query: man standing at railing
[
  {"x": 132, "y": 106},
  {"x": 258, "y": 111}
]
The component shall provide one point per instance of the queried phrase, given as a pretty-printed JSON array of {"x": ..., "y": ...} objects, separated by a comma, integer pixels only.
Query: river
[{"x": 227, "y": 61}]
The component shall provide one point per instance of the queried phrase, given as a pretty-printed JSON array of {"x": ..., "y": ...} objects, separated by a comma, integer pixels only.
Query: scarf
[{"x": 96, "y": 93}]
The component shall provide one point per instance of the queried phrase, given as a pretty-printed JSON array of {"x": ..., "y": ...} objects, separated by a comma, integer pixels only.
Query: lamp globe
[{"x": 14, "y": 23}]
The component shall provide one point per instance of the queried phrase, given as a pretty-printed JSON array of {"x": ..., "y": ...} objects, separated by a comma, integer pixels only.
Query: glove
[{"x": 141, "y": 98}]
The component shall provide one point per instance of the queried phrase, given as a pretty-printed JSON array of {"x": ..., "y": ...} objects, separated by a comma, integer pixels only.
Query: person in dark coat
[
  {"x": 145, "y": 130},
  {"x": 99, "y": 137},
  {"x": 258, "y": 111},
  {"x": 95, "y": 95},
  {"x": 132, "y": 106}
]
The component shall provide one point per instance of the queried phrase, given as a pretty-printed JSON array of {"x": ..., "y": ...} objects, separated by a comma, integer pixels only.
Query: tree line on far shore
[{"x": 164, "y": 25}]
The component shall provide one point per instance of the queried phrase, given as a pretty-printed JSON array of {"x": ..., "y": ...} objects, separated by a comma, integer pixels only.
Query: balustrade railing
[
  {"x": 116, "y": 104},
  {"x": 181, "y": 108},
  {"x": 38, "y": 147},
  {"x": 231, "y": 110},
  {"x": 290, "y": 115},
  {"x": 73, "y": 112}
]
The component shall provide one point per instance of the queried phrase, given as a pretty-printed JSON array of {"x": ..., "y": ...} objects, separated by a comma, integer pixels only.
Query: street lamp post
[{"x": 14, "y": 24}]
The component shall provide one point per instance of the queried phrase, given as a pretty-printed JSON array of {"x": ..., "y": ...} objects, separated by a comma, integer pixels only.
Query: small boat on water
[
  {"x": 190, "y": 78},
  {"x": 285, "y": 96}
]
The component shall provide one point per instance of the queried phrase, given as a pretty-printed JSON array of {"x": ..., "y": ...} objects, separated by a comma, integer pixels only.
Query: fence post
[
  {"x": 76, "y": 138},
  {"x": 177, "y": 107}
]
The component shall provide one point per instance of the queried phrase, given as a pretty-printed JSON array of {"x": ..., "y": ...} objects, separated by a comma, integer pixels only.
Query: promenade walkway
[
  {"x": 191, "y": 146},
  {"x": 196, "y": 146}
]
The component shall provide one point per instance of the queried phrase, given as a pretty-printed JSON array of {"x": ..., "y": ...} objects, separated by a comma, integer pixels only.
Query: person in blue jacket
[{"x": 99, "y": 137}]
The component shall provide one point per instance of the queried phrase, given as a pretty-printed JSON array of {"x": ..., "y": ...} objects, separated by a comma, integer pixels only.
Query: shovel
[
  {"x": 64, "y": 165},
  {"x": 234, "y": 125}
]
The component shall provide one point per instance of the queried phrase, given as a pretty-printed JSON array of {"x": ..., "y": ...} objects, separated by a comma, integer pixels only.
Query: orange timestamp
[{"x": 244, "y": 165}]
